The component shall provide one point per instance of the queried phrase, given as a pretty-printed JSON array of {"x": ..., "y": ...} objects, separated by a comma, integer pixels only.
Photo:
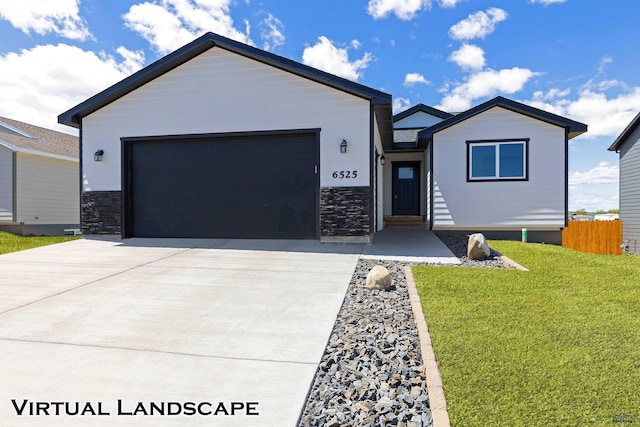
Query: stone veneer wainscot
[
  {"x": 101, "y": 212},
  {"x": 344, "y": 212}
]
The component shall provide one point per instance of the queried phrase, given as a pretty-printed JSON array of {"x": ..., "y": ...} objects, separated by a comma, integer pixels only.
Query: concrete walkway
[
  {"x": 237, "y": 325},
  {"x": 410, "y": 245}
]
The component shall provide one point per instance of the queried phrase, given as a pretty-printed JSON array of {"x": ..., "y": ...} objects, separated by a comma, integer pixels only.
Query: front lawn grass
[
  {"x": 556, "y": 346},
  {"x": 12, "y": 243}
]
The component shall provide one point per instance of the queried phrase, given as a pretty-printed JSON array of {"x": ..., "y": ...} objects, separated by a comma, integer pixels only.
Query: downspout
[
  {"x": 14, "y": 185},
  {"x": 81, "y": 172},
  {"x": 372, "y": 218},
  {"x": 566, "y": 177}
]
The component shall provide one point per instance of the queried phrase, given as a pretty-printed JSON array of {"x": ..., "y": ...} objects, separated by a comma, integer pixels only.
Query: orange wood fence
[{"x": 596, "y": 237}]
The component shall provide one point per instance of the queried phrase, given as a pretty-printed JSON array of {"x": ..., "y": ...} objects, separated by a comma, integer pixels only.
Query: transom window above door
[{"x": 498, "y": 160}]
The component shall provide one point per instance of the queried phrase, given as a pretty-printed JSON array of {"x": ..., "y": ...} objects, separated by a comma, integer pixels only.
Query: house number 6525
[{"x": 345, "y": 174}]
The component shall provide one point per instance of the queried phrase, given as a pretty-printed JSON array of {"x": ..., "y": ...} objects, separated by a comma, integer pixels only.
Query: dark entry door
[
  {"x": 406, "y": 188},
  {"x": 250, "y": 186}
]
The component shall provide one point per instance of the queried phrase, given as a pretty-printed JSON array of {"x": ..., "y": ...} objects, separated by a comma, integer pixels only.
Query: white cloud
[
  {"x": 400, "y": 104},
  {"x": 592, "y": 201},
  {"x": 604, "y": 61},
  {"x": 60, "y": 17},
  {"x": 448, "y": 3},
  {"x": 605, "y": 116},
  {"x": 39, "y": 83},
  {"x": 170, "y": 24},
  {"x": 547, "y": 2},
  {"x": 551, "y": 94},
  {"x": 604, "y": 173},
  {"x": 272, "y": 33},
  {"x": 477, "y": 25},
  {"x": 469, "y": 57},
  {"x": 324, "y": 55},
  {"x": 403, "y": 9},
  {"x": 415, "y": 78},
  {"x": 483, "y": 84}
]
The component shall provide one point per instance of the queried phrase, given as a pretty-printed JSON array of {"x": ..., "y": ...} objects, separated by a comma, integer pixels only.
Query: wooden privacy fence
[{"x": 596, "y": 237}]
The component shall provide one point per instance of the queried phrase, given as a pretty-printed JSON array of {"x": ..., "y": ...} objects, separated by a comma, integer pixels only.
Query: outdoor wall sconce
[
  {"x": 343, "y": 146},
  {"x": 382, "y": 160},
  {"x": 97, "y": 156}
]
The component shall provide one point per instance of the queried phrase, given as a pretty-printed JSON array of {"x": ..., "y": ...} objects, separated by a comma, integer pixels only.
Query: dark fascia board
[
  {"x": 622, "y": 138},
  {"x": 574, "y": 128},
  {"x": 207, "y": 41},
  {"x": 423, "y": 108}
]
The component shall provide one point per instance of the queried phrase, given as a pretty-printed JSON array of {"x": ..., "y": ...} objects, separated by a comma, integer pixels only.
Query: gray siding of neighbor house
[
  {"x": 47, "y": 191},
  {"x": 6, "y": 185},
  {"x": 630, "y": 189}
]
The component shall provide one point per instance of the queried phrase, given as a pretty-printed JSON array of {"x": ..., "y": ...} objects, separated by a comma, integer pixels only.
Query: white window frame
[{"x": 497, "y": 143}]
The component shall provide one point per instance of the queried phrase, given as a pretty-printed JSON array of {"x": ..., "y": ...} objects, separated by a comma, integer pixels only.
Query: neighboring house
[
  {"x": 628, "y": 145},
  {"x": 39, "y": 179},
  {"x": 606, "y": 217},
  {"x": 220, "y": 139}
]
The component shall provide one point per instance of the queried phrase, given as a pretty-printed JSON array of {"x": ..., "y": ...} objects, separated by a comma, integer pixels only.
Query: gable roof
[
  {"x": 421, "y": 108},
  {"x": 622, "y": 138},
  {"x": 574, "y": 128},
  {"x": 380, "y": 100},
  {"x": 28, "y": 138}
]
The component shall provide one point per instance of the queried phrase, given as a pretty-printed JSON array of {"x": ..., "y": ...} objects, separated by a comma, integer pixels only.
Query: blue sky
[{"x": 571, "y": 57}]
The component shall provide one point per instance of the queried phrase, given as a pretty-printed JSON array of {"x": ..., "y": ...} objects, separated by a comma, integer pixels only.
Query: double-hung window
[{"x": 492, "y": 160}]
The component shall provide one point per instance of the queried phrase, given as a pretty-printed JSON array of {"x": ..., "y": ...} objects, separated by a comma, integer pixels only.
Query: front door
[{"x": 406, "y": 188}]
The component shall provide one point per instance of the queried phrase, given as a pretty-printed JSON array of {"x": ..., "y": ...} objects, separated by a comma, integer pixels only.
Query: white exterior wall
[
  {"x": 47, "y": 190},
  {"x": 419, "y": 119},
  {"x": 538, "y": 203},
  {"x": 6, "y": 184},
  {"x": 630, "y": 190},
  {"x": 219, "y": 91},
  {"x": 388, "y": 181}
]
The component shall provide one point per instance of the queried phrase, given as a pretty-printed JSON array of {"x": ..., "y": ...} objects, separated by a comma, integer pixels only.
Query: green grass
[
  {"x": 12, "y": 243},
  {"x": 556, "y": 346}
]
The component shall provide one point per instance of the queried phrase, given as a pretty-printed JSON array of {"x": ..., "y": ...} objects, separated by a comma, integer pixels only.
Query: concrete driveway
[{"x": 202, "y": 328}]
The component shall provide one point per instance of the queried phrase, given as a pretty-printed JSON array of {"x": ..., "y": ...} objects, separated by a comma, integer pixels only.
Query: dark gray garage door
[{"x": 231, "y": 186}]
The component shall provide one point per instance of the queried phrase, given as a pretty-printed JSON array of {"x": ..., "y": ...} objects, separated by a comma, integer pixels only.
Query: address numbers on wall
[{"x": 345, "y": 174}]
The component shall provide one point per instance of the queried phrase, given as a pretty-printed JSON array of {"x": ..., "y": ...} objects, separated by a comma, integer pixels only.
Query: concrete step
[{"x": 403, "y": 221}]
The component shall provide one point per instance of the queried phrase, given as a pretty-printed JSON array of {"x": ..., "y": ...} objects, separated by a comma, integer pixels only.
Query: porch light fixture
[
  {"x": 343, "y": 146},
  {"x": 382, "y": 160},
  {"x": 97, "y": 156}
]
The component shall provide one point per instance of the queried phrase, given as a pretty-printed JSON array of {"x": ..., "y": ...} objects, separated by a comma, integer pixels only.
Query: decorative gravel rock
[
  {"x": 371, "y": 373},
  {"x": 478, "y": 248},
  {"x": 457, "y": 243},
  {"x": 379, "y": 278}
]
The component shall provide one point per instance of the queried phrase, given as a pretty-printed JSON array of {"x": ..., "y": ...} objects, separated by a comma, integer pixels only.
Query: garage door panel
[{"x": 248, "y": 187}]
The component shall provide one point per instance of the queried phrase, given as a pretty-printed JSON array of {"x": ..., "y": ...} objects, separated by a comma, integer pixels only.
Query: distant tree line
[{"x": 598, "y": 212}]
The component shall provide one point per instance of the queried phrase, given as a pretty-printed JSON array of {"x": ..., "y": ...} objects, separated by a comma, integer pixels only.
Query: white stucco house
[
  {"x": 39, "y": 179},
  {"x": 221, "y": 139},
  {"x": 628, "y": 145}
]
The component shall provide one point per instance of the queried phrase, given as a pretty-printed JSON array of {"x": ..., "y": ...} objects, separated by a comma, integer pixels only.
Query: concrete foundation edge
[
  {"x": 38, "y": 229},
  {"x": 347, "y": 239}
]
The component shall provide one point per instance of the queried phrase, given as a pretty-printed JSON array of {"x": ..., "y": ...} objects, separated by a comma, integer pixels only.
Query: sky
[{"x": 575, "y": 58}]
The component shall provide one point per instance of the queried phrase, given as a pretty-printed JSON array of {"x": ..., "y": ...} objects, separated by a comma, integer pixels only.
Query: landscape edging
[{"x": 437, "y": 401}]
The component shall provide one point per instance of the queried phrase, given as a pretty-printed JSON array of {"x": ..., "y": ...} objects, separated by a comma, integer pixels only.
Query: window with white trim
[{"x": 493, "y": 160}]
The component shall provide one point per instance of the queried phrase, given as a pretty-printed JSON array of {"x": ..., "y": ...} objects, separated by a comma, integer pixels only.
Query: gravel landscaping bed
[
  {"x": 458, "y": 245},
  {"x": 371, "y": 373}
]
